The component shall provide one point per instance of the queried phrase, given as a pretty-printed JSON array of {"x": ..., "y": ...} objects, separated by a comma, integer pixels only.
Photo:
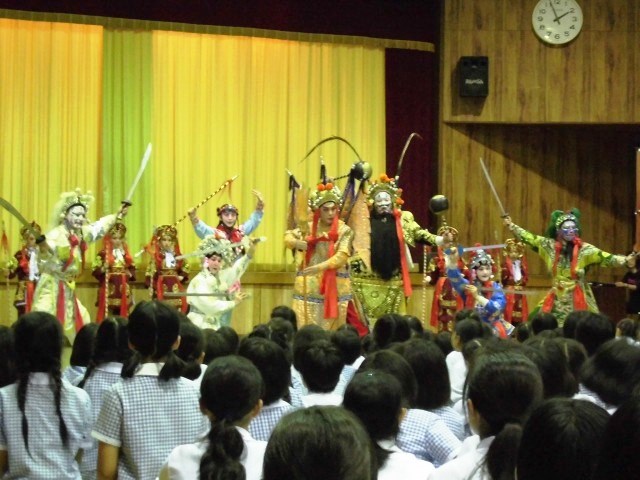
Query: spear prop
[{"x": 208, "y": 197}]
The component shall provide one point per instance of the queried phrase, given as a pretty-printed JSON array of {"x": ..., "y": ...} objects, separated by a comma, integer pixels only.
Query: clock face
[{"x": 557, "y": 21}]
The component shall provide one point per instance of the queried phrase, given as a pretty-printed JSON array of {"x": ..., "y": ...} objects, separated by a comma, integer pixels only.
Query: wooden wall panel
[{"x": 594, "y": 79}]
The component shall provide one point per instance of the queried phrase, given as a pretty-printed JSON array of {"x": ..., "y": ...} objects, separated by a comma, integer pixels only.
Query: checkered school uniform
[
  {"x": 97, "y": 384},
  {"x": 147, "y": 418},
  {"x": 47, "y": 457},
  {"x": 261, "y": 426},
  {"x": 426, "y": 436},
  {"x": 453, "y": 420}
]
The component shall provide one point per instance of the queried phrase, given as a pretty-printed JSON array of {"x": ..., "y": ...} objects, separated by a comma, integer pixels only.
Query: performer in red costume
[
  {"x": 515, "y": 275},
  {"x": 24, "y": 266},
  {"x": 114, "y": 268}
]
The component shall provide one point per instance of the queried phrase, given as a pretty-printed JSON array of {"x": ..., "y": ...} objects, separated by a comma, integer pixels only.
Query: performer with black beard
[
  {"x": 568, "y": 258},
  {"x": 381, "y": 283}
]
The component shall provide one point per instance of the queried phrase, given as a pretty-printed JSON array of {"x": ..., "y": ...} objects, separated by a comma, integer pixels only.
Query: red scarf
[
  {"x": 329, "y": 283},
  {"x": 579, "y": 301},
  {"x": 406, "y": 280}
]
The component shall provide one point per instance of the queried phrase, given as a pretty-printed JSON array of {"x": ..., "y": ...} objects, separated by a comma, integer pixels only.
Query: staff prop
[{"x": 208, "y": 197}]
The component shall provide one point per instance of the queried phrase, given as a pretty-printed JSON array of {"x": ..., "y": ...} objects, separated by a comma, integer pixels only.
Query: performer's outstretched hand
[
  {"x": 124, "y": 208},
  {"x": 193, "y": 216},
  {"x": 506, "y": 221},
  {"x": 260, "y": 204},
  {"x": 240, "y": 296}
]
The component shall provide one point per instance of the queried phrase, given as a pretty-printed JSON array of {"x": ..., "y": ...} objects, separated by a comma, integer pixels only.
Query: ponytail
[
  {"x": 221, "y": 459},
  {"x": 503, "y": 452}
]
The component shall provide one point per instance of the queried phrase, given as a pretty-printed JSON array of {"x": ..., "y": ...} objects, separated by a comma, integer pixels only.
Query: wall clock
[{"x": 557, "y": 22}]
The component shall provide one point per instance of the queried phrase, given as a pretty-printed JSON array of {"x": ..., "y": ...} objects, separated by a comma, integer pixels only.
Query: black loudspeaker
[{"x": 473, "y": 75}]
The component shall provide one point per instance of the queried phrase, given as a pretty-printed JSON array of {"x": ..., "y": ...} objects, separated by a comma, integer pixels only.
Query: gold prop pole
[{"x": 209, "y": 197}]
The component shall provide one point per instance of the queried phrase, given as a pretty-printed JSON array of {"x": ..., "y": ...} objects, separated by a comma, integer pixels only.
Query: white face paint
[
  {"x": 483, "y": 273},
  {"x": 214, "y": 264},
  {"x": 382, "y": 203},
  {"x": 328, "y": 212},
  {"x": 568, "y": 230},
  {"x": 76, "y": 217}
]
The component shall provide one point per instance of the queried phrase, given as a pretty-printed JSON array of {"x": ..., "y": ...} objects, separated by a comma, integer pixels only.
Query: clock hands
[
  {"x": 555, "y": 14},
  {"x": 564, "y": 14}
]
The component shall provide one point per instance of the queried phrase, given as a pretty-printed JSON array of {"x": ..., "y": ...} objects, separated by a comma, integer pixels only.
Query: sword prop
[
  {"x": 185, "y": 294},
  {"x": 507, "y": 290},
  {"x": 208, "y": 197},
  {"x": 484, "y": 247},
  {"x": 493, "y": 188},
  {"x": 136, "y": 180},
  {"x": 14, "y": 211}
]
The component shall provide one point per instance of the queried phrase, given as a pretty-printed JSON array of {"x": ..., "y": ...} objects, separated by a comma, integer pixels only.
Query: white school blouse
[
  {"x": 184, "y": 461},
  {"x": 403, "y": 465}
]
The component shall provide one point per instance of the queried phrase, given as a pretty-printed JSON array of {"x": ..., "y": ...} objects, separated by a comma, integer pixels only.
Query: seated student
[
  {"x": 466, "y": 328},
  {"x": 287, "y": 313},
  {"x": 231, "y": 336},
  {"x": 618, "y": 457},
  {"x": 152, "y": 409},
  {"x": 320, "y": 367},
  {"x": 215, "y": 345},
  {"x": 231, "y": 392},
  {"x": 271, "y": 361},
  {"x": 390, "y": 328},
  {"x": 80, "y": 353},
  {"x": 417, "y": 329},
  {"x": 502, "y": 389},
  {"x": 613, "y": 373},
  {"x": 319, "y": 443},
  {"x": 422, "y": 433},
  {"x": 542, "y": 321},
  {"x": 434, "y": 390},
  {"x": 347, "y": 340},
  {"x": 301, "y": 341},
  {"x": 110, "y": 352},
  {"x": 376, "y": 399},
  {"x": 627, "y": 328},
  {"x": 44, "y": 420},
  {"x": 191, "y": 350},
  {"x": 443, "y": 341},
  {"x": 553, "y": 364},
  {"x": 7, "y": 357},
  {"x": 561, "y": 440},
  {"x": 592, "y": 330}
]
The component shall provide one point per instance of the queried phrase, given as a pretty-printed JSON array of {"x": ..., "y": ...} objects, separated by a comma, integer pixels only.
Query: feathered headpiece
[
  {"x": 216, "y": 245},
  {"x": 481, "y": 258},
  {"x": 386, "y": 185},
  {"x": 558, "y": 217},
  {"x": 27, "y": 230},
  {"x": 324, "y": 193},
  {"x": 69, "y": 200}
]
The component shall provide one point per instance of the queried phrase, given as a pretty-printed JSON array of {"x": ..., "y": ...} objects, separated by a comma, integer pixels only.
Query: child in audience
[
  {"x": 347, "y": 340},
  {"x": 44, "y": 420},
  {"x": 272, "y": 363},
  {"x": 153, "y": 409},
  {"x": 466, "y": 328},
  {"x": 80, "y": 353},
  {"x": 376, "y": 399},
  {"x": 191, "y": 350},
  {"x": 434, "y": 390},
  {"x": 561, "y": 440},
  {"x": 216, "y": 345},
  {"x": 110, "y": 352},
  {"x": 320, "y": 367},
  {"x": 301, "y": 342},
  {"x": 319, "y": 443},
  {"x": 231, "y": 392},
  {"x": 422, "y": 433},
  {"x": 502, "y": 389},
  {"x": 7, "y": 357}
]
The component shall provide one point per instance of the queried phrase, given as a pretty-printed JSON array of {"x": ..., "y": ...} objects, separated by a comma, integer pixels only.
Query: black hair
[
  {"x": 270, "y": 359},
  {"x": 376, "y": 399},
  {"x": 7, "y": 357},
  {"x": 443, "y": 341},
  {"x": 83, "y": 345},
  {"x": 303, "y": 338},
  {"x": 191, "y": 347},
  {"x": 287, "y": 313},
  {"x": 613, "y": 372},
  {"x": 417, "y": 329},
  {"x": 504, "y": 387},
  {"x": 467, "y": 313},
  {"x": 553, "y": 365},
  {"x": 215, "y": 345},
  {"x": 260, "y": 331},
  {"x": 469, "y": 329},
  {"x": 390, "y": 328},
  {"x": 618, "y": 457},
  {"x": 231, "y": 389},
  {"x": 231, "y": 336},
  {"x": 522, "y": 332},
  {"x": 628, "y": 327},
  {"x": 320, "y": 366},
  {"x": 543, "y": 321},
  {"x": 429, "y": 366},
  {"x": 38, "y": 342},
  {"x": 282, "y": 333},
  {"x": 571, "y": 322},
  {"x": 575, "y": 353},
  {"x": 154, "y": 327},
  {"x": 394, "y": 364},
  {"x": 592, "y": 330},
  {"x": 318, "y": 443},
  {"x": 561, "y": 440},
  {"x": 111, "y": 344},
  {"x": 348, "y": 343}
]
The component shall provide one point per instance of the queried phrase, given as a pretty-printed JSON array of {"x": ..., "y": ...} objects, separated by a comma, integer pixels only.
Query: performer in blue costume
[{"x": 482, "y": 293}]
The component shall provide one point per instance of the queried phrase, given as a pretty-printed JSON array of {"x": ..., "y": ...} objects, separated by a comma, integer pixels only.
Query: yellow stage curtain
[
  {"x": 50, "y": 108},
  {"x": 231, "y": 105}
]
